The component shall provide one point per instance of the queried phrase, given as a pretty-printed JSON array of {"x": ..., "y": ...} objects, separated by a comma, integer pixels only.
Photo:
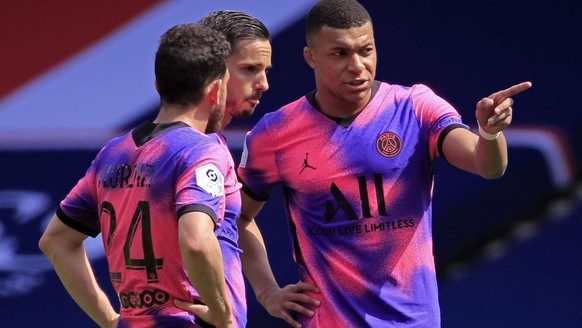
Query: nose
[
  {"x": 262, "y": 83},
  {"x": 356, "y": 64}
]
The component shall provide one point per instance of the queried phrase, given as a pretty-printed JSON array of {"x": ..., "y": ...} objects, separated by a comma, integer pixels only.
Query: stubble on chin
[{"x": 245, "y": 113}]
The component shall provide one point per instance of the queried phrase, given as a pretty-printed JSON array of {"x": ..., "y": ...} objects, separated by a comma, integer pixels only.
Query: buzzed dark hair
[
  {"x": 189, "y": 57},
  {"x": 236, "y": 26},
  {"x": 340, "y": 14}
]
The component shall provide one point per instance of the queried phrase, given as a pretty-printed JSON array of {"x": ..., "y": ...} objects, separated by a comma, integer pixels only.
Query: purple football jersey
[
  {"x": 133, "y": 194},
  {"x": 227, "y": 235},
  {"x": 358, "y": 199}
]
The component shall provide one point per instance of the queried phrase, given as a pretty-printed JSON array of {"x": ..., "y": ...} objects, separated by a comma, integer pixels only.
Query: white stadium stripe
[{"x": 85, "y": 100}]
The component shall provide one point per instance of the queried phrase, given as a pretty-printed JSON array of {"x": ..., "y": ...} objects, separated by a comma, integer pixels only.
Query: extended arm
[
  {"x": 203, "y": 260},
  {"x": 63, "y": 246},
  {"x": 486, "y": 154}
]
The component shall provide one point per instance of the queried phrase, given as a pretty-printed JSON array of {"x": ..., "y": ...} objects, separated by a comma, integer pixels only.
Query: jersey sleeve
[
  {"x": 436, "y": 115},
  {"x": 79, "y": 209},
  {"x": 201, "y": 182},
  {"x": 258, "y": 169}
]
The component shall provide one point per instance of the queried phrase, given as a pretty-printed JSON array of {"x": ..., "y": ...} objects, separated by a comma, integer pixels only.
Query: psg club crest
[{"x": 389, "y": 144}]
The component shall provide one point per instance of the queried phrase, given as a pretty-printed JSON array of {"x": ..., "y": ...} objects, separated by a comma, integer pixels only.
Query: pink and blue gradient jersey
[
  {"x": 227, "y": 235},
  {"x": 358, "y": 195},
  {"x": 133, "y": 194}
]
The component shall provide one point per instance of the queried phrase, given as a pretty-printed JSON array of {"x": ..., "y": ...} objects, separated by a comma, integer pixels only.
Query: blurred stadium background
[{"x": 73, "y": 74}]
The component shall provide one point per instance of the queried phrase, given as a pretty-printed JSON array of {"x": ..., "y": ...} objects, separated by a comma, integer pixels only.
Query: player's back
[{"x": 142, "y": 181}]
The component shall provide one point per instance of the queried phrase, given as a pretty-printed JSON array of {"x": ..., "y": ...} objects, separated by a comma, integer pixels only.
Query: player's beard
[
  {"x": 239, "y": 110},
  {"x": 244, "y": 113},
  {"x": 214, "y": 119},
  {"x": 236, "y": 110}
]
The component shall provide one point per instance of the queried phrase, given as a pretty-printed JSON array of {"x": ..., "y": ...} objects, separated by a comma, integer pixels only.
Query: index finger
[
  {"x": 513, "y": 90},
  {"x": 305, "y": 286}
]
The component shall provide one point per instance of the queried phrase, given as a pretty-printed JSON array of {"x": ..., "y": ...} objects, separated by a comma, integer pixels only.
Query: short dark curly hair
[
  {"x": 340, "y": 14},
  {"x": 189, "y": 57}
]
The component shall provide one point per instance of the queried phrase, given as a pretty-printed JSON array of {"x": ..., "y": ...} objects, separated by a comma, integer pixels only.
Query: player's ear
[
  {"x": 157, "y": 87},
  {"x": 213, "y": 91},
  {"x": 308, "y": 56}
]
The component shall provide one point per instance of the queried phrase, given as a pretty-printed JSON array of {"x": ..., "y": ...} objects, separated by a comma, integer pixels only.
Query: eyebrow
[
  {"x": 254, "y": 64},
  {"x": 347, "y": 47}
]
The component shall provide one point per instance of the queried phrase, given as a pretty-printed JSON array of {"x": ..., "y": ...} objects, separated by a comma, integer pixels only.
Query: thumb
[
  {"x": 190, "y": 307},
  {"x": 485, "y": 103},
  {"x": 198, "y": 310}
]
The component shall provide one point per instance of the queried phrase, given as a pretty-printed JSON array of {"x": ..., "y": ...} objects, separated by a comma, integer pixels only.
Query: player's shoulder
[
  {"x": 388, "y": 88},
  {"x": 204, "y": 152},
  {"x": 215, "y": 136},
  {"x": 189, "y": 136},
  {"x": 283, "y": 116},
  {"x": 210, "y": 142},
  {"x": 191, "y": 145},
  {"x": 114, "y": 145},
  {"x": 297, "y": 103},
  {"x": 417, "y": 93}
]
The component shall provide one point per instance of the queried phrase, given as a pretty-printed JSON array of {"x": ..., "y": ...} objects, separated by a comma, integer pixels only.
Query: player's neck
[{"x": 189, "y": 115}]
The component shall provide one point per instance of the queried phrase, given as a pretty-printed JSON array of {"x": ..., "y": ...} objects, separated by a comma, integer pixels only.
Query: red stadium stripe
[{"x": 44, "y": 33}]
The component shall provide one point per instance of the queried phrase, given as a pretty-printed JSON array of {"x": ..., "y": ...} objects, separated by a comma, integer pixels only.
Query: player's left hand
[
  {"x": 199, "y": 310},
  {"x": 283, "y": 302},
  {"x": 494, "y": 113}
]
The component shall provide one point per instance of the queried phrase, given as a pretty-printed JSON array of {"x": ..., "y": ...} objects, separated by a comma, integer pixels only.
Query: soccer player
[
  {"x": 157, "y": 194},
  {"x": 248, "y": 64},
  {"x": 355, "y": 160}
]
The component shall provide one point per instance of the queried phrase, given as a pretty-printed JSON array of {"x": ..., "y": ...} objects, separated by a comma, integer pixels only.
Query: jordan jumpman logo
[{"x": 306, "y": 165}]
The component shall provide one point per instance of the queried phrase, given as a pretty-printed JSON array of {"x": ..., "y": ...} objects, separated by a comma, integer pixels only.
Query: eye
[
  {"x": 250, "y": 69},
  {"x": 367, "y": 51}
]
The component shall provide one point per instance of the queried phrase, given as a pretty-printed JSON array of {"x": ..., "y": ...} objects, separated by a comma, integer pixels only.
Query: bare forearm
[
  {"x": 255, "y": 260},
  {"x": 203, "y": 260},
  {"x": 466, "y": 150},
  {"x": 76, "y": 275},
  {"x": 491, "y": 157},
  {"x": 207, "y": 274},
  {"x": 64, "y": 248}
]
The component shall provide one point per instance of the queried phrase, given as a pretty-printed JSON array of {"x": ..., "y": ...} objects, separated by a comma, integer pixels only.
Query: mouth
[
  {"x": 359, "y": 84},
  {"x": 253, "y": 102}
]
